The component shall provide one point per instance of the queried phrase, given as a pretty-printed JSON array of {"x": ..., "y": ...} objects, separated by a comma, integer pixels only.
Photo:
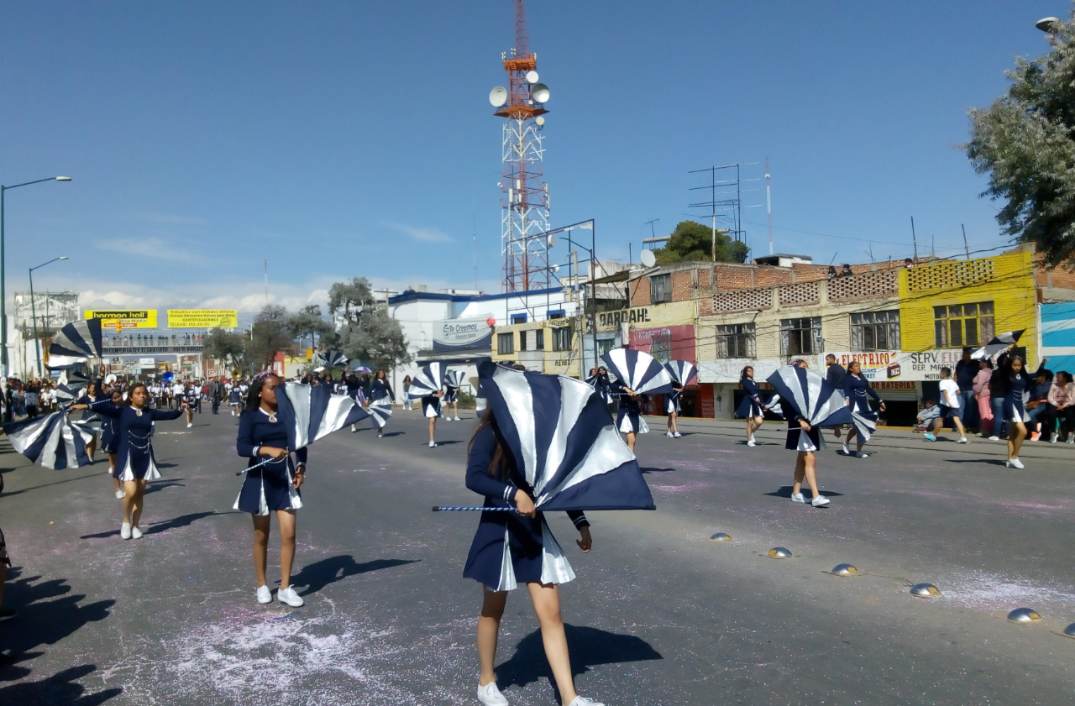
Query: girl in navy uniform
[
  {"x": 1014, "y": 382},
  {"x": 431, "y": 408},
  {"x": 751, "y": 407},
  {"x": 629, "y": 421},
  {"x": 805, "y": 440},
  {"x": 132, "y": 425},
  {"x": 858, "y": 391},
  {"x": 108, "y": 443},
  {"x": 380, "y": 391},
  {"x": 671, "y": 408},
  {"x": 273, "y": 486},
  {"x": 516, "y": 548},
  {"x": 87, "y": 402},
  {"x": 235, "y": 399},
  {"x": 451, "y": 400}
]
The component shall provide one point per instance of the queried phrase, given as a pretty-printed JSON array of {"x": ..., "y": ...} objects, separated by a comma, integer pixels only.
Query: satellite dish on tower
[
  {"x": 498, "y": 96},
  {"x": 532, "y": 77},
  {"x": 648, "y": 258},
  {"x": 540, "y": 93}
]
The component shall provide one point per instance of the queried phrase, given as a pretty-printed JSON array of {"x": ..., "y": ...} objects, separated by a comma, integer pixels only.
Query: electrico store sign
[{"x": 121, "y": 319}]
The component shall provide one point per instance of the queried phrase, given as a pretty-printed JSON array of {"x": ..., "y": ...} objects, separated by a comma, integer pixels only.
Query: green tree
[
  {"x": 692, "y": 241},
  {"x": 1025, "y": 141},
  {"x": 369, "y": 334},
  {"x": 307, "y": 323},
  {"x": 269, "y": 336},
  {"x": 228, "y": 347}
]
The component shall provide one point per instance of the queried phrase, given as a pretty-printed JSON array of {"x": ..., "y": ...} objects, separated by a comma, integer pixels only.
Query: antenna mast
[{"x": 524, "y": 194}]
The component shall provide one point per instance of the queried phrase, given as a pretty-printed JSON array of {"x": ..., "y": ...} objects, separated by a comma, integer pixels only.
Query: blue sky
[{"x": 354, "y": 138}]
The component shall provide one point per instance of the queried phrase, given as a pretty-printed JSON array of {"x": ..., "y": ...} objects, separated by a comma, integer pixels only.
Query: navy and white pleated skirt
[
  {"x": 451, "y": 396},
  {"x": 799, "y": 440},
  {"x": 509, "y": 549},
  {"x": 268, "y": 488},
  {"x": 431, "y": 406},
  {"x": 1015, "y": 411},
  {"x": 671, "y": 405},
  {"x": 630, "y": 421},
  {"x": 748, "y": 409}
]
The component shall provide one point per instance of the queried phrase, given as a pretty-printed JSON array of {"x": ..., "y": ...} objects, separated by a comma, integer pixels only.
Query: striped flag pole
[
  {"x": 258, "y": 465},
  {"x": 472, "y": 508}
]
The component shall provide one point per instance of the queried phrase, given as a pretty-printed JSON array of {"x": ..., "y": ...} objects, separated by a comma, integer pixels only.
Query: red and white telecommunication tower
[{"x": 524, "y": 194}]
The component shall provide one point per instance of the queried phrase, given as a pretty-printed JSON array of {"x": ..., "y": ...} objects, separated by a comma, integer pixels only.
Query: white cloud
[
  {"x": 150, "y": 247},
  {"x": 169, "y": 219},
  {"x": 420, "y": 233}
]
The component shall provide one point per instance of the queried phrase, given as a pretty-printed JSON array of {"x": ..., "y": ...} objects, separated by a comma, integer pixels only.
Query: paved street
[{"x": 659, "y": 614}]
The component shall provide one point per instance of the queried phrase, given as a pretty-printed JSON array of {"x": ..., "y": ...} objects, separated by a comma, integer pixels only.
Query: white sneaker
[
  {"x": 797, "y": 498},
  {"x": 490, "y": 695},
  {"x": 432, "y": 444},
  {"x": 752, "y": 438},
  {"x": 190, "y": 425},
  {"x": 458, "y": 419},
  {"x": 676, "y": 434},
  {"x": 125, "y": 531},
  {"x": 288, "y": 595},
  {"x": 670, "y": 435},
  {"x": 846, "y": 451},
  {"x": 819, "y": 501},
  {"x": 751, "y": 443},
  {"x": 264, "y": 595},
  {"x": 1052, "y": 439},
  {"x": 1014, "y": 463},
  {"x": 962, "y": 440},
  {"x": 583, "y": 701},
  {"x": 120, "y": 494},
  {"x": 862, "y": 454},
  {"x": 994, "y": 438},
  {"x": 136, "y": 533}
]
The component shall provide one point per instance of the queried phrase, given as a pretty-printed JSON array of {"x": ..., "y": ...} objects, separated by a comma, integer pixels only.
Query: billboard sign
[
  {"x": 459, "y": 335},
  {"x": 203, "y": 318},
  {"x": 120, "y": 319}
]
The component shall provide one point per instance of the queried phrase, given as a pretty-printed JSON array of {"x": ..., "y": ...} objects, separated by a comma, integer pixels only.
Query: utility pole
[
  {"x": 914, "y": 240},
  {"x": 966, "y": 248}
]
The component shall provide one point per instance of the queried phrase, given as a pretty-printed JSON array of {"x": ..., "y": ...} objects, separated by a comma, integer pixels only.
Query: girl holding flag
[
  {"x": 858, "y": 391},
  {"x": 272, "y": 486}
]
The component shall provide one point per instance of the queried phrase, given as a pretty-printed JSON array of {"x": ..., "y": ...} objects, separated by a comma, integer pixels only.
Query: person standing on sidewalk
[
  {"x": 1062, "y": 398},
  {"x": 966, "y": 370},
  {"x": 981, "y": 397}
]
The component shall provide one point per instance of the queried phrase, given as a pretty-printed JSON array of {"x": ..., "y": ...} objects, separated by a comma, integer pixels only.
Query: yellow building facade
[
  {"x": 948, "y": 304},
  {"x": 551, "y": 346}
]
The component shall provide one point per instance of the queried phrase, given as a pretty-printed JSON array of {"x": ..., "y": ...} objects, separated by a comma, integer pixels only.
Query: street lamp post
[
  {"x": 33, "y": 309},
  {"x": 3, "y": 291}
]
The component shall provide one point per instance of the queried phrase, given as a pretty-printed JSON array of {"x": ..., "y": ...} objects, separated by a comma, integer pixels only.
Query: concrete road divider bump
[
  {"x": 779, "y": 553},
  {"x": 925, "y": 590},
  {"x": 845, "y": 570},
  {"x": 1024, "y": 615},
  {"x": 721, "y": 537},
  {"x": 1070, "y": 630}
]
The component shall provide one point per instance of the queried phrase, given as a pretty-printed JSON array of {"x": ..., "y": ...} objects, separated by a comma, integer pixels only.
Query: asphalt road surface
[{"x": 659, "y": 614}]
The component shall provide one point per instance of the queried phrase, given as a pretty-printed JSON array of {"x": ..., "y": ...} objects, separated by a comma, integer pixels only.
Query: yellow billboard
[
  {"x": 123, "y": 318},
  {"x": 203, "y": 318}
]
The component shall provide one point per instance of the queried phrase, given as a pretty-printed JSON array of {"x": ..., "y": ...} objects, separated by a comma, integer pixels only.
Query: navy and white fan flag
[
  {"x": 562, "y": 439},
  {"x": 75, "y": 343},
  {"x": 455, "y": 377},
  {"x": 639, "y": 371},
  {"x": 310, "y": 412},
  {"x": 329, "y": 359},
  {"x": 682, "y": 371},
  {"x": 810, "y": 396},
  {"x": 865, "y": 424},
  {"x": 66, "y": 395},
  {"x": 998, "y": 345},
  {"x": 73, "y": 376},
  {"x": 51, "y": 441},
  {"x": 381, "y": 411},
  {"x": 427, "y": 380}
]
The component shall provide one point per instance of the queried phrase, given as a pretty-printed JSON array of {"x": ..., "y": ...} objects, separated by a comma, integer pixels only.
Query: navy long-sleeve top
[
  {"x": 133, "y": 433},
  {"x": 631, "y": 403},
  {"x": 380, "y": 389},
  {"x": 1012, "y": 385},
  {"x": 856, "y": 388},
  {"x": 751, "y": 388},
  {"x": 257, "y": 429},
  {"x": 499, "y": 492}
]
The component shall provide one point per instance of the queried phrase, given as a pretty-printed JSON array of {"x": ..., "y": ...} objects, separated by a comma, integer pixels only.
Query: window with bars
[
  {"x": 956, "y": 325},
  {"x": 735, "y": 341},
  {"x": 505, "y": 343},
  {"x": 875, "y": 330},
  {"x": 660, "y": 289},
  {"x": 522, "y": 340},
  {"x": 604, "y": 345},
  {"x": 660, "y": 347},
  {"x": 800, "y": 336},
  {"x": 561, "y": 338},
  {"x": 540, "y": 343}
]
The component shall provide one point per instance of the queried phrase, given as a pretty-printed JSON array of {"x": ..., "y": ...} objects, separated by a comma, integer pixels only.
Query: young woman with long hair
[
  {"x": 271, "y": 488},
  {"x": 516, "y": 548},
  {"x": 1014, "y": 381},
  {"x": 108, "y": 443},
  {"x": 380, "y": 390},
  {"x": 805, "y": 440},
  {"x": 431, "y": 409},
  {"x": 751, "y": 408},
  {"x": 135, "y": 463},
  {"x": 672, "y": 408},
  {"x": 858, "y": 391}
]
